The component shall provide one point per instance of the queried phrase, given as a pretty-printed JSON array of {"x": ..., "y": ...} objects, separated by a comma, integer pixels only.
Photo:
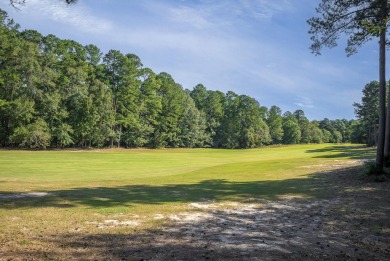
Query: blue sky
[{"x": 258, "y": 48}]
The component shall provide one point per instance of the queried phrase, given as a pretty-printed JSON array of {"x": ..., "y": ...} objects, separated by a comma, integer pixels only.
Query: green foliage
[
  {"x": 275, "y": 123},
  {"x": 327, "y": 136},
  {"x": 193, "y": 126},
  {"x": 35, "y": 135},
  {"x": 361, "y": 20},
  {"x": 374, "y": 28},
  {"x": 358, "y": 132},
  {"x": 315, "y": 134},
  {"x": 242, "y": 125},
  {"x": 62, "y": 135},
  {"x": 337, "y": 137},
  {"x": 291, "y": 129},
  {"x": 58, "y": 93},
  {"x": 367, "y": 113}
]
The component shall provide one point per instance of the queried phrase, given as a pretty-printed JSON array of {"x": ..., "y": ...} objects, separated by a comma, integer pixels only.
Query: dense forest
[{"x": 58, "y": 93}]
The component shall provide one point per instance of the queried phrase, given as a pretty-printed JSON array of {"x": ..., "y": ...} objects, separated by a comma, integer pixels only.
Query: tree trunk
[
  {"x": 382, "y": 91},
  {"x": 387, "y": 136},
  {"x": 369, "y": 139},
  {"x": 374, "y": 137},
  {"x": 111, "y": 142},
  {"x": 119, "y": 135},
  {"x": 113, "y": 126}
]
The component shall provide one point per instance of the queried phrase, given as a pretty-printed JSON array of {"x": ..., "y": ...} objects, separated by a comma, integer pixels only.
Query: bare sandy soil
[{"x": 351, "y": 222}]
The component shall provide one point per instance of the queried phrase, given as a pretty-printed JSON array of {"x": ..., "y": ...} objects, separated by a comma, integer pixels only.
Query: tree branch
[{"x": 16, "y": 3}]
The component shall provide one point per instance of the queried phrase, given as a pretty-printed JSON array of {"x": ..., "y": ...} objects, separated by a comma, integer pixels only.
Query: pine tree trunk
[
  {"x": 119, "y": 135},
  {"x": 382, "y": 91},
  {"x": 387, "y": 136},
  {"x": 369, "y": 139}
]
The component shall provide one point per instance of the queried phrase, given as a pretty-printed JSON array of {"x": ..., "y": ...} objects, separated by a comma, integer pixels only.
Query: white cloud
[
  {"x": 304, "y": 102},
  {"x": 190, "y": 16},
  {"x": 264, "y": 9},
  {"x": 218, "y": 14}
]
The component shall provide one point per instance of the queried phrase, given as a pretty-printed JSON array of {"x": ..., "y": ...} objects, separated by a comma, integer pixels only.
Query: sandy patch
[
  {"x": 24, "y": 195},
  {"x": 335, "y": 164},
  {"x": 109, "y": 223}
]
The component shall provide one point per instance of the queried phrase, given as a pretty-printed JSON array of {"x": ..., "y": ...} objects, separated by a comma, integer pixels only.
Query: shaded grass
[
  {"x": 136, "y": 195},
  {"x": 342, "y": 151}
]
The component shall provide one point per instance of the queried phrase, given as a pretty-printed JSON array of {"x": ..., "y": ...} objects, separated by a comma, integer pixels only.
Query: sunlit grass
[
  {"x": 52, "y": 170},
  {"x": 138, "y": 176}
]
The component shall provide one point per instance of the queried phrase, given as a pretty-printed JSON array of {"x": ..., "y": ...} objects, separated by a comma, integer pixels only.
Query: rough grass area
[{"x": 305, "y": 202}]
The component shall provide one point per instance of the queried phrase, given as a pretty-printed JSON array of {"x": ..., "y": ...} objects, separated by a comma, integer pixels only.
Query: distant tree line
[{"x": 58, "y": 93}]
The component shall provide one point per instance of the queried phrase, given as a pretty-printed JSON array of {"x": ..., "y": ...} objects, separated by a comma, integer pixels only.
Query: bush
[{"x": 372, "y": 170}]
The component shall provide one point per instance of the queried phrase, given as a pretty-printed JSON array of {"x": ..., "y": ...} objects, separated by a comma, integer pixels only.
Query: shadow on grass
[
  {"x": 352, "y": 152},
  {"x": 314, "y": 185}
]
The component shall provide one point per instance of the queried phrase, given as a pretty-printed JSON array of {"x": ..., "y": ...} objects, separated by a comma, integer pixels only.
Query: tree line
[{"x": 59, "y": 93}]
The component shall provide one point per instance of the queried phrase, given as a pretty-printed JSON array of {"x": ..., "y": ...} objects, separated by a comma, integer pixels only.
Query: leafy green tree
[
  {"x": 35, "y": 135},
  {"x": 315, "y": 132},
  {"x": 172, "y": 96},
  {"x": 64, "y": 70},
  {"x": 326, "y": 124},
  {"x": 291, "y": 130},
  {"x": 336, "y": 128},
  {"x": 337, "y": 136},
  {"x": 242, "y": 125},
  {"x": 228, "y": 131},
  {"x": 199, "y": 95},
  {"x": 97, "y": 106},
  {"x": 214, "y": 110},
  {"x": 254, "y": 131},
  {"x": 62, "y": 135},
  {"x": 122, "y": 74},
  {"x": 341, "y": 126},
  {"x": 19, "y": 90},
  {"x": 304, "y": 126},
  {"x": 357, "y": 132},
  {"x": 275, "y": 124},
  {"x": 212, "y": 104},
  {"x": 327, "y": 136},
  {"x": 361, "y": 20},
  {"x": 150, "y": 108},
  {"x": 367, "y": 112},
  {"x": 192, "y": 126}
]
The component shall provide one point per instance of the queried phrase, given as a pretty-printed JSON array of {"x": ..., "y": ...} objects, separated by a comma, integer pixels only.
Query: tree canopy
[{"x": 59, "y": 93}]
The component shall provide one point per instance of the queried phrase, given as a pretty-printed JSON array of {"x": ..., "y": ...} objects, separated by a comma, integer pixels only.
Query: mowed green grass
[
  {"x": 89, "y": 187},
  {"x": 117, "y": 178}
]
